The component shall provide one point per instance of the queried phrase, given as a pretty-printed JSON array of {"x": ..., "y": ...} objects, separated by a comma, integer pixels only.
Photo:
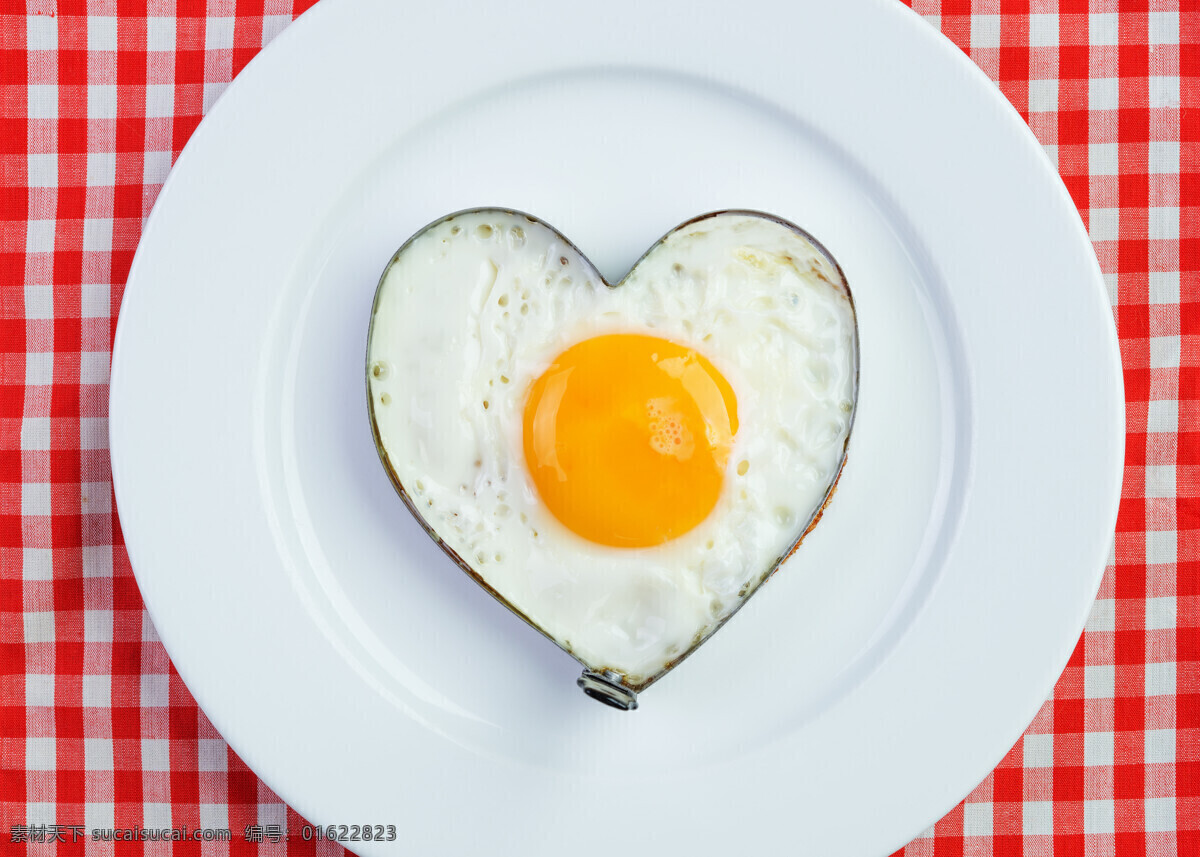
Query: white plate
[{"x": 885, "y": 669}]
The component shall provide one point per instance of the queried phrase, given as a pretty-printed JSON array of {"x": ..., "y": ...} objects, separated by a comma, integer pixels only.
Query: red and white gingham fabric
[{"x": 98, "y": 97}]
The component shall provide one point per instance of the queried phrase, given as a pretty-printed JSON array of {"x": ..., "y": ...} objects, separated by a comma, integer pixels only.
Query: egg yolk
[{"x": 627, "y": 436}]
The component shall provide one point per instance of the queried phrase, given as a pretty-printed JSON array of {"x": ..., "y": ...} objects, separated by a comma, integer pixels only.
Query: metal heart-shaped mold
[{"x": 603, "y": 681}]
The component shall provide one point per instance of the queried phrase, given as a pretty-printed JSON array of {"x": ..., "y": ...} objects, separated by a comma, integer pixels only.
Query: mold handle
[{"x": 607, "y": 689}]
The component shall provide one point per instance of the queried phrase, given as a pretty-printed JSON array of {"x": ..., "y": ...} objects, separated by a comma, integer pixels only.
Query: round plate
[{"x": 879, "y": 675}]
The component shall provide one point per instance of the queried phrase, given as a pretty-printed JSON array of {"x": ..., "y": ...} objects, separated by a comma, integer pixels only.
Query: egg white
[{"x": 476, "y": 307}]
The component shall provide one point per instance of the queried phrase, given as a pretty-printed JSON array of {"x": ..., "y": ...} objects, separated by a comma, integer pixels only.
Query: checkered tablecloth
[{"x": 97, "y": 732}]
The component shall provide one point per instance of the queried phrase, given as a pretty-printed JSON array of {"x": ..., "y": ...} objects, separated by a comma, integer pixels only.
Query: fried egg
[{"x": 621, "y": 465}]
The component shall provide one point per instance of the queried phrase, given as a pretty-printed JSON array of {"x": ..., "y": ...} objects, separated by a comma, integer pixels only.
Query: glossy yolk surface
[{"x": 626, "y": 437}]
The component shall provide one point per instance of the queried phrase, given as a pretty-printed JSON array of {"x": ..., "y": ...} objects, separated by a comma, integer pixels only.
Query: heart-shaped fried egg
[{"x": 621, "y": 465}]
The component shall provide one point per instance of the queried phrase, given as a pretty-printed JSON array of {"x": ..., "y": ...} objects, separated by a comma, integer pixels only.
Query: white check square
[
  {"x": 1160, "y": 814},
  {"x": 39, "y": 626},
  {"x": 102, "y": 101},
  {"x": 1164, "y": 92},
  {"x": 35, "y": 498},
  {"x": 1103, "y": 28},
  {"x": 156, "y": 754},
  {"x": 35, "y": 433},
  {"x": 93, "y": 433},
  {"x": 42, "y": 30},
  {"x": 1099, "y": 816},
  {"x": 155, "y": 690},
  {"x": 98, "y": 816},
  {"x": 156, "y": 816},
  {"x": 1161, "y": 546},
  {"x": 42, "y": 101},
  {"x": 1160, "y": 746},
  {"x": 1164, "y": 28},
  {"x": 1104, "y": 93},
  {"x": 1039, "y": 751},
  {"x": 97, "y": 626},
  {"x": 1164, "y": 223},
  {"x": 160, "y": 34},
  {"x": 214, "y": 816},
  {"x": 1103, "y": 161},
  {"x": 272, "y": 813},
  {"x": 98, "y": 754},
  {"x": 40, "y": 754},
  {"x": 1160, "y": 612},
  {"x": 39, "y": 365},
  {"x": 97, "y": 561},
  {"x": 101, "y": 33},
  {"x": 97, "y": 234},
  {"x": 1037, "y": 818},
  {"x": 1105, "y": 224},
  {"x": 37, "y": 564},
  {"x": 1160, "y": 479},
  {"x": 1099, "y": 681},
  {"x": 101, "y": 170},
  {"x": 1160, "y": 679},
  {"x": 1164, "y": 288},
  {"x": 1043, "y": 30},
  {"x": 218, "y": 34},
  {"x": 43, "y": 170},
  {"x": 39, "y": 236},
  {"x": 985, "y": 31},
  {"x": 1097, "y": 749},
  {"x": 1043, "y": 96},
  {"x": 1103, "y": 616},
  {"x": 39, "y": 690},
  {"x": 212, "y": 755},
  {"x": 977, "y": 819},
  {"x": 155, "y": 166},
  {"x": 94, "y": 365},
  {"x": 95, "y": 301},
  {"x": 1163, "y": 158},
  {"x": 160, "y": 101},
  {"x": 97, "y": 689}
]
